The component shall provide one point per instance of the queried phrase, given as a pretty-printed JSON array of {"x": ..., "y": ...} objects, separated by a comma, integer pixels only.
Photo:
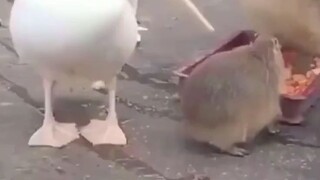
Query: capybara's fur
[
  {"x": 233, "y": 95},
  {"x": 296, "y": 23}
]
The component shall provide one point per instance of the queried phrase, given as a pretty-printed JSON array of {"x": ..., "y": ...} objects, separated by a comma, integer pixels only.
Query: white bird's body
[
  {"x": 55, "y": 35},
  {"x": 67, "y": 39}
]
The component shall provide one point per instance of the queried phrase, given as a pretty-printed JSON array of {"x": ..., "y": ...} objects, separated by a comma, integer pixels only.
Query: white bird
[{"x": 69, "y": 39}]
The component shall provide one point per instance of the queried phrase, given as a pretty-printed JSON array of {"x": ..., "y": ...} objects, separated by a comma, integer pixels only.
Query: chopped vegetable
[{"x": 297, "y": 84}]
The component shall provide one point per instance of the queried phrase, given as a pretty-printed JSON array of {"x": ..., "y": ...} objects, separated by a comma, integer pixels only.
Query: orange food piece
[
  {"x": 290, "y": 89},
  {"x": 298, "y": 77},
  {"x": 290, "y": 82},
  {"x": 298, "y": 90},
  {"x": 297, "y": 84},
  {"x": 303, "y": 82},
  {"x": 310, "y": 74}
]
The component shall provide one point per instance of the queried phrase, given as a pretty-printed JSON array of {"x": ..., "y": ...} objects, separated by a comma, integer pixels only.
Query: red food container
[{"x": 293, "y": 107}]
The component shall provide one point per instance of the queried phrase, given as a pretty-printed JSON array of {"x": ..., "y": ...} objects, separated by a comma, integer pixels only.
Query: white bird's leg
[
  {"x": 108, "y": 131},
  {"x": 52, "y": 133}
]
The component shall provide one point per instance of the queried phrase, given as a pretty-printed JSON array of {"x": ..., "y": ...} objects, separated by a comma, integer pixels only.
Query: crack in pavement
[
  {"x": 149, "y": 110},
  {"x": 152, "y": 111}
]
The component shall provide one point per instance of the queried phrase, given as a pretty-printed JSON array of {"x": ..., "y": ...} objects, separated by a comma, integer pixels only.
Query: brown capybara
[
  {"x": 296, "y": 23},
  {"x": 233, "y": 95}
]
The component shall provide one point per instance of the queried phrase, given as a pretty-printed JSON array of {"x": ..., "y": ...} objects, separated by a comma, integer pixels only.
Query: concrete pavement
[{"x": 149, "y": 114}]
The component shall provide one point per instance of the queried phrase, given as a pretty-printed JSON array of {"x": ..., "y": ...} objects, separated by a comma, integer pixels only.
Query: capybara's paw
[{"x": 238, "y": 151}]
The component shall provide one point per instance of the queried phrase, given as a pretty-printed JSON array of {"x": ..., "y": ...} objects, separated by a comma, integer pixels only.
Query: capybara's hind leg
[{"x": 227, "y": 137}]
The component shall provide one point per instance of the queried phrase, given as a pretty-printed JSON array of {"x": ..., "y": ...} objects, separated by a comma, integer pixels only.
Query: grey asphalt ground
[{"x": 148, "y": 111}]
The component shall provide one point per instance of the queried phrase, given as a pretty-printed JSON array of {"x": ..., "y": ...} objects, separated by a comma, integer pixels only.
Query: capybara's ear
[{"x": 265, "y": 47}]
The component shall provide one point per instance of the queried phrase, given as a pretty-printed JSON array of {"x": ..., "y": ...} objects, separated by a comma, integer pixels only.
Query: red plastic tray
[{"x": 292, "y": 107}]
